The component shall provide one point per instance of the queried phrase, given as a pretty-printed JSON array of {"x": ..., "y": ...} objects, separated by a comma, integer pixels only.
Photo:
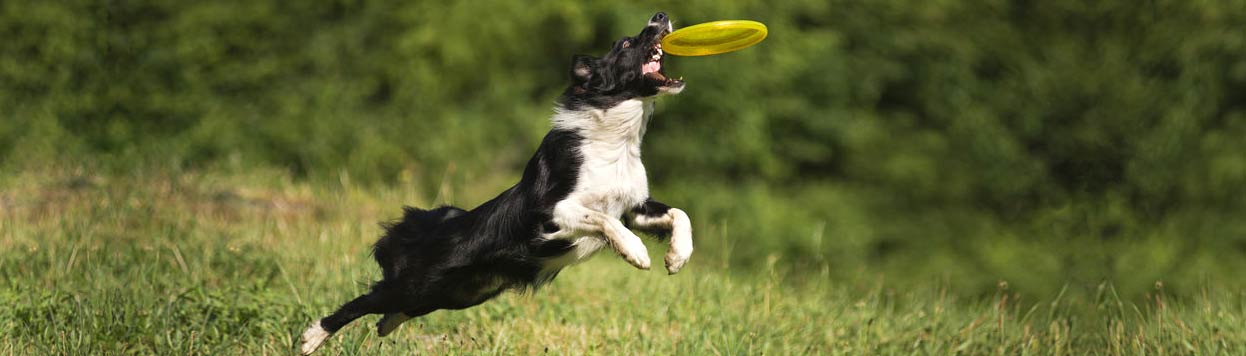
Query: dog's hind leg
[
  {"x": 376, "y": 302},
  {"x": 391, "y": 321},
  {"x": 661, "y": 219}
]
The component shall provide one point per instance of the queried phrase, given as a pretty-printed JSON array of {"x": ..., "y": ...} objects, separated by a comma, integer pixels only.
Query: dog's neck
[{"x": 621, "y": 126}]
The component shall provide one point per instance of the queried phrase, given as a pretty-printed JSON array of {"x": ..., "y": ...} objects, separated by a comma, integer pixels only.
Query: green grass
[{"x": 210, "y": 263}]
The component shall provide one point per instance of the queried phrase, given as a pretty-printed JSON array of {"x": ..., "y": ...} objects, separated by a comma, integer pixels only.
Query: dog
[{"x": 582, "y": 191}]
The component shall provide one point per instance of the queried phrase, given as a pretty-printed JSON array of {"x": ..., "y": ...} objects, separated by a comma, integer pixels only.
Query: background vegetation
[{"x": 935, "y": 145}]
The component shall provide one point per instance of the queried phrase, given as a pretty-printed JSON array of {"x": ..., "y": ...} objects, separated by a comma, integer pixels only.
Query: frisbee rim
[{"x": 758, "y": 34}]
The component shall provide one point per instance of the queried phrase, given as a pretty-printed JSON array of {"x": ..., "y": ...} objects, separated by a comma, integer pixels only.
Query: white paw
[
  {"x": 675, "y": 261},
  {"x": 390, "y": 322},
  {"x": 314, "y": 337},
  {"x": 681, "y": 241},
  {"x": 635, "y": 252},
  {"x": 639, "y": 259}
]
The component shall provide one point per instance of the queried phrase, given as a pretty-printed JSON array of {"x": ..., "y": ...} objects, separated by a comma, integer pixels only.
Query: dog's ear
[{"x": 582, "y": 68}]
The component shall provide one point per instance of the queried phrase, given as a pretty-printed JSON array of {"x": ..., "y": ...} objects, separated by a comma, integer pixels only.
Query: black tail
[{"x": 416, "y": 224}]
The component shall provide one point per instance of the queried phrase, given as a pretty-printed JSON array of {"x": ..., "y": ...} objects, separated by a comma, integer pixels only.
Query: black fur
[
  {"x": 651, "y": 208},
  {"x": 450, "y": 258},
  {"x": 607, "y": 81}
]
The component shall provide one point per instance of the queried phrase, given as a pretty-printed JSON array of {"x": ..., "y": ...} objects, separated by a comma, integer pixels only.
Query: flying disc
[{"x": 715, "y": 37}]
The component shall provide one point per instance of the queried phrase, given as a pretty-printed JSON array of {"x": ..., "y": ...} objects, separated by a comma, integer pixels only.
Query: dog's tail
[
  {"x": 417, "y": 222},
  {"x": 416, "y": 225}
]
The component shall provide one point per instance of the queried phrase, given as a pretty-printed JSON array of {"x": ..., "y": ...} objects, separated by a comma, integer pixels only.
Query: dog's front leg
[
  {"x": 662, "y": 219},
  {"x": 577, "y": 219}
]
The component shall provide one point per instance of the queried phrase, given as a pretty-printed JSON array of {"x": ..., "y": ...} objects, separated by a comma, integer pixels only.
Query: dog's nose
[{"x": 659, "y": 17}]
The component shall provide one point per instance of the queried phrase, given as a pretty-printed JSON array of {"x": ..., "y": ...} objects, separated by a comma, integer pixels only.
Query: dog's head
[{"x": 632, "y": 69}]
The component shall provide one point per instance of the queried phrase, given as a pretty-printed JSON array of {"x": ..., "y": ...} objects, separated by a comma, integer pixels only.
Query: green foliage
[{"x": 1037, "y": 142}]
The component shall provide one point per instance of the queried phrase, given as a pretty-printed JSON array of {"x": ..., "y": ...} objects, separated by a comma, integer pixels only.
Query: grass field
[{"x": 214, "y": 263}]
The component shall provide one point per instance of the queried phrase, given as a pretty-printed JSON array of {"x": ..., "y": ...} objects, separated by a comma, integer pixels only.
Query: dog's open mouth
[{"x": 652, "y": 69}]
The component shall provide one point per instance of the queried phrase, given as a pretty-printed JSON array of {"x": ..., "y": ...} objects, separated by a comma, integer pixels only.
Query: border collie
[{"x": 582, "y": 191}]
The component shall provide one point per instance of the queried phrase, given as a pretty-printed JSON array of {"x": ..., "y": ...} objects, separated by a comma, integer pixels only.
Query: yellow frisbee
[{"x": 714, "y": 38}]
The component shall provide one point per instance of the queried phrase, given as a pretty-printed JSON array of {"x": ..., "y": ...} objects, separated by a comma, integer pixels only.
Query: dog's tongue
[
  {"x": 651, "y": 67},
  {"x": 656, "y": 76}
]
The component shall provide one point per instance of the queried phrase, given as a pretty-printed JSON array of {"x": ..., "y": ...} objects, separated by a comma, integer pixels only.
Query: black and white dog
[{"x": 580, "y": 192}]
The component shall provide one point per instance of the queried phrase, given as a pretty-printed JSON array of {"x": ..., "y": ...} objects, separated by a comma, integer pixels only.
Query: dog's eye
[{"x": 626, "y": 43}]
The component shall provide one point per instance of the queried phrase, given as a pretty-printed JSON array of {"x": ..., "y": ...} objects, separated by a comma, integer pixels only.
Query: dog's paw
[
  {"x": 390, "y": 322},
  {"x": 314, "y": 337},
  {"x": 681, "y": 242},
  {"x": 635, "y": 252},
  {"x": 640, "y": 259},
  {"x": 675, "y": 261},
  {"x": 630, "y": 247},
  {"x": 679, "y": 253}
]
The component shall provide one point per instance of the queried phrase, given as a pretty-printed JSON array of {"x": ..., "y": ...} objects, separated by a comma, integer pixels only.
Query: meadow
[{"x": 208, "y": 263}]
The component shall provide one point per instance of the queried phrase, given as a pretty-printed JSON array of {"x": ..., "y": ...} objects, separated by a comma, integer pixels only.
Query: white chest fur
[{"x": 611, "y": 179}]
